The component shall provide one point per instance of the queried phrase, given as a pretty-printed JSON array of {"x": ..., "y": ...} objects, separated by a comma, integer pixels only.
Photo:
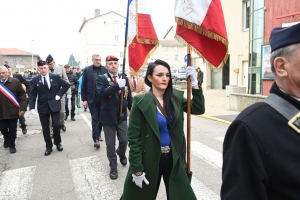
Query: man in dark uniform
[
  {"x": 261, "y": 147},
  {"x": 49, "y": 88},
  {"x": 91, "y": 98},
  {"x": 22, "y": 120},
  {"x": 12, "y": 104},
  {"x": 109, "y": 87}
]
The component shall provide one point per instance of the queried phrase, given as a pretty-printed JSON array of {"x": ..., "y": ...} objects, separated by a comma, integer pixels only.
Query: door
[{"x": 245, "y": 75}]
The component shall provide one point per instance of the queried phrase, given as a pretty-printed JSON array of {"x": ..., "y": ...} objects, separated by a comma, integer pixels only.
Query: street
[{"x": 82, "y": 172}]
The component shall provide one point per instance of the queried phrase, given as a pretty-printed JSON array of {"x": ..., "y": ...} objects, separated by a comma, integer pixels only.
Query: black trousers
[
  {"x": 22, "y": 121},
  {"x": 8, "y": 129},
  {"x": 165, "y": 168},
  {"x": 95, "y": 109},
  {"x": 72, "y": 106},
  {"x": 44, "y": 118}
]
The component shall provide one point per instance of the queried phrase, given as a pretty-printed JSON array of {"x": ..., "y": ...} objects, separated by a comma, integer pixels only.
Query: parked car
[{"x": 180, "y": 74}]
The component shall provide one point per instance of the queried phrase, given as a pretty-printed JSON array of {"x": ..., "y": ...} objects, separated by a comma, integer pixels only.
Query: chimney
[{"x": 97, "y": 12}]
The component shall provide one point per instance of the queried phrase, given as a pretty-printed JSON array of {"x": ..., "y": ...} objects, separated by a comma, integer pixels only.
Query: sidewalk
[{"x": 217, "y": 106}]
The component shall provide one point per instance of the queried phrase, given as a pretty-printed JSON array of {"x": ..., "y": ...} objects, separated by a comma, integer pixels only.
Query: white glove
[
  {"x": 138, "y": 180},
  {"x": 190, "y": 71},
  {"x": 32, "y": 111},
  {"x": 121, "y": 83},
  {"x": 57, "y": 97},
  {"x": 69, "y": 96}
]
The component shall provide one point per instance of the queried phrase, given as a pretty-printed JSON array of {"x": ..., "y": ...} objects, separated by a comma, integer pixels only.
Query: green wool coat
[{"x": 145, "y": 149}]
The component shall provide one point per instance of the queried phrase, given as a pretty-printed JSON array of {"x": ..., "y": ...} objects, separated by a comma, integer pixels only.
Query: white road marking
[
  {"x": 221, "y": 139},
  {"x": 209, "y": 155},
  {"x": 202, "y": 192},
  {"x": 17, "y": 184},
  {"x": 86, "y": 120},
  {"x": 91, "y": 179}
]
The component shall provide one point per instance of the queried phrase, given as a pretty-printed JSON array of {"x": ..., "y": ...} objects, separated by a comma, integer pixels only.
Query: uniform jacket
[
  {"x": 46, "y": 99},
  {"x": 145, "y": 149},
  {"x": 23, "y": 81},
  {"x": 8, "y": 110},
  {"x": 261, "y": 155},
  {"x": 89, "y": 84},
  {"x": 73, "y": 81},
  {"x": 141, "y": 88},
  {"x": 60, "y": 70},
  {"x": 108, "y": 91}
]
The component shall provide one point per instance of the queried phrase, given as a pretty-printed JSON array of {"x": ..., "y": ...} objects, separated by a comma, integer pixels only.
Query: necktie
[
  {"x": 115, "y": 81},
  {"x": 46, "y": 84},
  {"x": 134, "y": 82}
]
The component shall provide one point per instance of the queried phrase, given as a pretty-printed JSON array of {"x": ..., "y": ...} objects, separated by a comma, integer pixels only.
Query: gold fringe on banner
[{"x": 215, "y": 69}]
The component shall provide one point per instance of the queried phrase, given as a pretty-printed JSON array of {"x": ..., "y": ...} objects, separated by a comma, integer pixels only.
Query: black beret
[
  {"x": 49, "y": 58},
  {"x": 281, "y": 37},
  {"x": 6, "y": 65},
  {"x": 41, "y": 63}
]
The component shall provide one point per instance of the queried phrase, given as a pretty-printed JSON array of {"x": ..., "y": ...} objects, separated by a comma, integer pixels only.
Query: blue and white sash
[{"x": 9, "y": 95}]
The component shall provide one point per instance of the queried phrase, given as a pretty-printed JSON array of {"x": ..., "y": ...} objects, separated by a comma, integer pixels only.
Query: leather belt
[{"x": 165, "y": 149}]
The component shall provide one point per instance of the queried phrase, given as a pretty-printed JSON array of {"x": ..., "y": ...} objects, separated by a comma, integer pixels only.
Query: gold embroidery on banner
[
  {"x": 188, "y": 9},
  {"x": 132, "y": 44},
  {"x": 184, "y": 1},
  {"x": 133, "y": 17}
]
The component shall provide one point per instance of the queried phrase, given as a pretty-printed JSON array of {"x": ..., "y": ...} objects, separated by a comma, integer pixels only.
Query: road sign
[{"x": 185, "y": 58}]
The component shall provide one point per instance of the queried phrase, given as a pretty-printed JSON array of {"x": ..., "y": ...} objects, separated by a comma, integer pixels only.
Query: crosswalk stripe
[
  {"x": 87, "y": 121},
  {"x": 209, "y": 155},
  {"x": 91, "y": 179},
  {"x": 221, "y": 139},
  {"x": 17, "y": 184},
  {"x": 202, "y": 192}
]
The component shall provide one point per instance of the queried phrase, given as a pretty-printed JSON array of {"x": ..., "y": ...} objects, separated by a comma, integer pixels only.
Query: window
[
  {"x": 176, "y": 57},
  {"x": 166, "y": 56},
  {"x": 116, "y": 38},
  {"x": 166, "y": 48},
  {"x": 121, "y": 54},
  {"x": 116, "y": 24},
  {"x": 15, "y": 62},
  {"x": 246, "y": 15},
  {"x": 176, "y": 48}
]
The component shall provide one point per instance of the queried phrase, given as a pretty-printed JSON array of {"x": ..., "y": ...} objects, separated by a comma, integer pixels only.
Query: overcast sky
[{"x": 54, "y": 24}]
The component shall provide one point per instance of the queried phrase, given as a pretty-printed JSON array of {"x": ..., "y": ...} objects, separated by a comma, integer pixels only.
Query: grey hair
[
  {"x": 3, "y": 67},
  {"x": 95, "y": 55},
  {"x": 285, "y": 52}
]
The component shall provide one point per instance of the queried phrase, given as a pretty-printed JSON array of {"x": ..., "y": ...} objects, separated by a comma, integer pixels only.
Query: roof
[
  {"x": 15, "y": 52},
  {"x": 170, "y": 43},
  {"x": 85, "y": 21}
]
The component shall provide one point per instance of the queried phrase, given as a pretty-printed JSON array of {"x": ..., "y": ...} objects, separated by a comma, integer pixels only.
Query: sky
[{"x": 52, "y": 26}]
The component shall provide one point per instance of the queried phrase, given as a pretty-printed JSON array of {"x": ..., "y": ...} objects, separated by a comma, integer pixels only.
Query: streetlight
[{"x": 32, "y": 53}]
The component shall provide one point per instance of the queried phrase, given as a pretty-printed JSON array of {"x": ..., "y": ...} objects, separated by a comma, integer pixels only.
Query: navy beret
[
  {"x": 41, "y": 63},
  {"x": 7, "y": 66},
  {"x": 281, "y": 37},
  {"x": 49, "y": 58}
]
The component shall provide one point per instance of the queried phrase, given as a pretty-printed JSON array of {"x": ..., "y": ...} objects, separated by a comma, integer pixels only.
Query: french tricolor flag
[
  {"x": 201, "y": 24},
  {"x": 141, "y": 34}
]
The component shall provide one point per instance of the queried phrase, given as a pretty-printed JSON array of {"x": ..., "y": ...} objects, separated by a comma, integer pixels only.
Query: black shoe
[
  {"x": 63, "y": 128},
  {"x": 123, "y": 159},
  {"x": 12, "y": 149},
  {"x": 5, "y": 144},
  {"x": 66, "y": 117},
  {"x": 24, "y": 130},
  {"x": 113, "y": 174},
  {"x": 48, "y": 152},
  {"x": 73, "y": 119},
  {"x": 59, "y": 147}
]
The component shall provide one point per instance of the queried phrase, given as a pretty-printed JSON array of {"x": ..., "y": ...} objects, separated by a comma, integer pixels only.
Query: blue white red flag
[
  {"x": 141, "y": 34},
  {"x": 4, "y": 90}
]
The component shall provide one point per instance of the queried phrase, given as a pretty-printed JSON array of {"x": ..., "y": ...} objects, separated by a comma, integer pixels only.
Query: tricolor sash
[{"x": 9, "y": 95}]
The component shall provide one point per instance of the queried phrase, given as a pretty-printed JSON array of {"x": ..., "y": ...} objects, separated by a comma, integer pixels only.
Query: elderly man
[
  {"x": 59, "y": 70},
  {"x": 108, "y": 87},
  {"x": 13, "y": 104},
  {"x": 91, "y": 98},
  {"x": 261, "y": 147},
  {"x": 49, "y": 89},
  {"x": 137, "y": 84}
]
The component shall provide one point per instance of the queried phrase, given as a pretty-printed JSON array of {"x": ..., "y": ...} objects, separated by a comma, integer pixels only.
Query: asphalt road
[{"x": 82, "y": 172}]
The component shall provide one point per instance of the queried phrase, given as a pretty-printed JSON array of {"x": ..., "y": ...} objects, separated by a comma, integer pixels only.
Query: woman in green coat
[{"x": 152, "y": 154}]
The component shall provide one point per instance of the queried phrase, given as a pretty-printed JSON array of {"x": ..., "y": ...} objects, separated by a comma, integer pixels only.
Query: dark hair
[{"x": 168, "y": 95}]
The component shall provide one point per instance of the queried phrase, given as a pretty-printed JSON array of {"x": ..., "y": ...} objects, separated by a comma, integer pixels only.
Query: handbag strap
[{"x": 172, "y": 135}]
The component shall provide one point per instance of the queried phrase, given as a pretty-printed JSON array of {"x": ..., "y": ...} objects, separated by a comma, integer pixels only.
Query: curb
[{"x": 215, "y": 118}]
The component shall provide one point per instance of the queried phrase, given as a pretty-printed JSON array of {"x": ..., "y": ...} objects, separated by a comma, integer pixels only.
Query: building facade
[
  {"x": 18, "y": 59},
  {"x": 103, "y": 34}
]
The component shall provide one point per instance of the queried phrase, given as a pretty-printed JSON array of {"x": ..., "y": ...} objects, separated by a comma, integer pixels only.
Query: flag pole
[
  {"x": 124, "y": 61},
  {"x": 188, "y": 111}
]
